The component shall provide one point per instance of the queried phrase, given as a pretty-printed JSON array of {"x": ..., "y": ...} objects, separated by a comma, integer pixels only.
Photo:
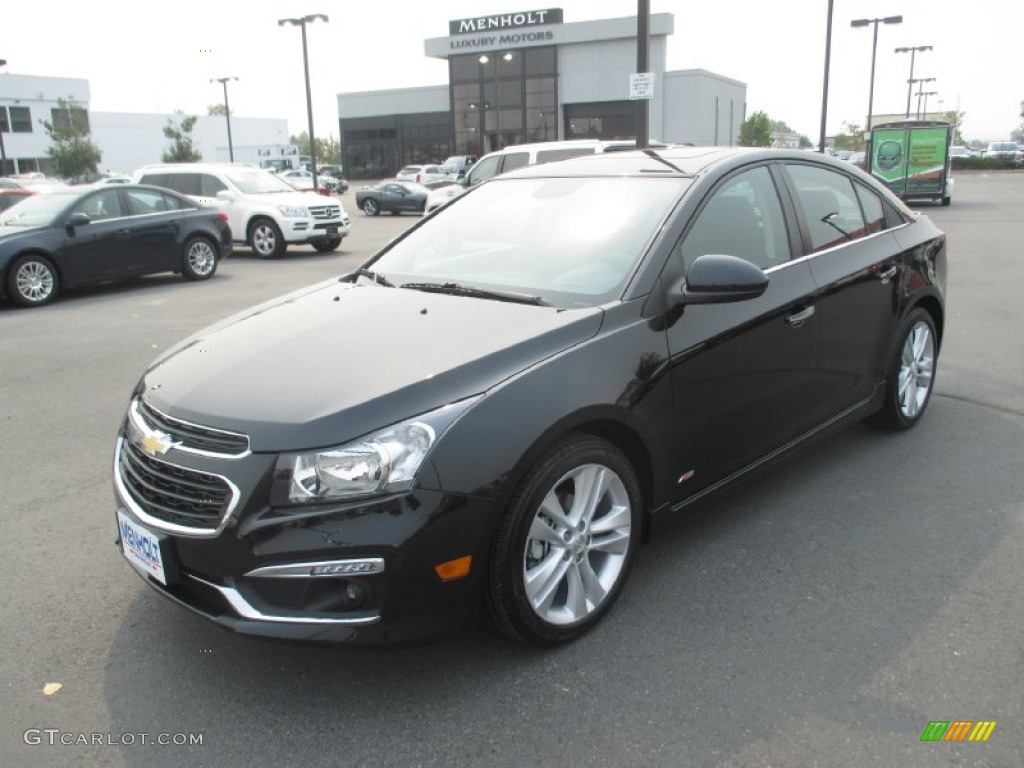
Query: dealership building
[{"x": 532, "y": 76}]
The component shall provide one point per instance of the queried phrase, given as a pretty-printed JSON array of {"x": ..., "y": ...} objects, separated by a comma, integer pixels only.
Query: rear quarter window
[{"x": 551, "y": 155}]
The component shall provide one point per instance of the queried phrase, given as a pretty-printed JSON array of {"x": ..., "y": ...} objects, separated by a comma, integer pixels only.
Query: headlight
[
  {"x": 380, "y": 463},
  {"x": 293, "y": 211}
]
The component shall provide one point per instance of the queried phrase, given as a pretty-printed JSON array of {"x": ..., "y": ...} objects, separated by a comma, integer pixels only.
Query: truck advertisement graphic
[{"x": 912, "y": 159}]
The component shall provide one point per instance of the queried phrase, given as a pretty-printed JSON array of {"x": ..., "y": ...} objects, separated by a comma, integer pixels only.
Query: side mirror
[
  {"x": 77, "y": 219},
  {"x": 226, "y": 195},
  {"x": 721, "y": 279},
  {"x": 461, "y": 179}
]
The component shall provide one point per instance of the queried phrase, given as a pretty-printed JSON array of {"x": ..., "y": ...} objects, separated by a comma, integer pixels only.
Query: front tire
[
  {"x": 911, "y": 376},
  {"x": 370, "y": 207},
  {"x": 266, "y": 239},
  {"x": 325, "y": 246},
  {"x": 564, "y": 548},
  {"x": 199, "y": 259},
  {"x": 32, "y": 281}
]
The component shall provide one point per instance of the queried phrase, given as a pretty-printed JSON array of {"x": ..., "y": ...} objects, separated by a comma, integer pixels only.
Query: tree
[
  {"x": 73, "y": 154},
  {"x": 216, "y": 109},
  {"x": 852, "y": 137},
  {"x": 328, "y": 151},
  {"x": 955, "y": 119},
  {"x": 756, "y": 131},
  {"x": 180, "y": 133}
]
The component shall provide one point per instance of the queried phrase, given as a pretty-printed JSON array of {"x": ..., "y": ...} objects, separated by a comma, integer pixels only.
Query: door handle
[
  {"x": 888, "y": 274},
  {"x": 797, "y": 318},
  {"x": 123, "y": 233}
]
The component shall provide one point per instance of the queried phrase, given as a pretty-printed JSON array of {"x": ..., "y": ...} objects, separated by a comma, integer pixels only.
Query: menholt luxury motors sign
[{"x": 504, "y": 21}]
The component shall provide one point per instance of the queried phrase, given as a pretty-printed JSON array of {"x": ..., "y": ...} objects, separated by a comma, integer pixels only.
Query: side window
[
  {"x": 515, "y": 160},
  {"x": 829, "y": 205},
  {"x": 157, "y": 180},
  {"x": 143, "y": 201},
  {"x": 209, "y": 185},
  {"x": 101, "y": 205},
  {"x": 483, "y": 170},
  {"x": 175, "y": 204},
  {"x": 185, "y": 183},
  {"x": 551, "y": 155},
  {"x": 743, "y": 218},
  {"x": 871, "y": 204}
]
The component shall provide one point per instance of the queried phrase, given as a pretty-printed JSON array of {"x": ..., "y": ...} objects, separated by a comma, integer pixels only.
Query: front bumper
[
  {"x": 314, "y": 230},
  {"x": 380, "y": 585}
]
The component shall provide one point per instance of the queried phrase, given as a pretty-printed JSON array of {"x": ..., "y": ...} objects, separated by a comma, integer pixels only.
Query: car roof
[{"x": 676, "y": 161}]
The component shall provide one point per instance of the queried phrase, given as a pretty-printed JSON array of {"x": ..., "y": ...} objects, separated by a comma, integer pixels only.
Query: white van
[
  {"x": 520, "y": 156},
  {"x": 263, "y": 211}
]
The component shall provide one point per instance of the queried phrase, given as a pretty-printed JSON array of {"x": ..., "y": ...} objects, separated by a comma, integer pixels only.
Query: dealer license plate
[{"x": 142, "y": 548}]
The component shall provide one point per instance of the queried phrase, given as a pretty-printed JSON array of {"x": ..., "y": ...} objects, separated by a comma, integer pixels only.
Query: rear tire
[
  {"x": 32, "y": 281},
  {"x": 911, "y": 375},
  {"x": 564, "y": 547},
  {"x": 199, "y": 259},
  {"x": 370, "y": 207}
]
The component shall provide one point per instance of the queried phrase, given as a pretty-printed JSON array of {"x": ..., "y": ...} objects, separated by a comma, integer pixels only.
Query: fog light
[
  {"x": 353, "y": 594},
  {"x": 454, "y": 569}
]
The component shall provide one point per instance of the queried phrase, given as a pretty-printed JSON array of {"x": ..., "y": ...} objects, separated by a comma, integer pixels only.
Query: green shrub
[{"x": 978, "y": 163}]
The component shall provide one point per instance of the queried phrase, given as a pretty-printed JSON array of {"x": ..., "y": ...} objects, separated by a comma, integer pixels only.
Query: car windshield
[
  {"x": 258, "y": 182},
  {"x": 570, "y": 241},
  {"x": 39, "y": 210}
]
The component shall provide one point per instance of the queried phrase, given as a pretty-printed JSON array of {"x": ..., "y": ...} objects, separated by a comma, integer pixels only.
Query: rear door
[
  {"x": 857, "y": 267},
  {"x": 155, "y": 223}
]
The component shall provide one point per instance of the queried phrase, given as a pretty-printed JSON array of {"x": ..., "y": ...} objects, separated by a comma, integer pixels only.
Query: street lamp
[
  {"x": 874, "y": 48},
  {"x": 227, "y": 112},
  {"x": 3, "y": 151},
  {"x": 824, "y": 87},
  {"x": 920, "y": 88},
  {"x": 302, "y": 22},
  {"x": 923, "y": 115},
  {"x": 910, "y": 83}
]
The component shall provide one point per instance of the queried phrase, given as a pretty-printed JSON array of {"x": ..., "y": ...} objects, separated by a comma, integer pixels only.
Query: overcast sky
[{"x": 158, "y": 57}]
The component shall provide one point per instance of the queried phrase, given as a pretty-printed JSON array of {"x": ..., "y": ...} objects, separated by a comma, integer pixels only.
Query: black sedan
[
  {"x": 72, "y": 237},
  {"x": 489, "y": 411},
  {"x": 394, "y": 196}
]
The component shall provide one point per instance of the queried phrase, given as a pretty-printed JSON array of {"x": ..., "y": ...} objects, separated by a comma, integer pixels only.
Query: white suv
[{"x": 263, "y": 211}]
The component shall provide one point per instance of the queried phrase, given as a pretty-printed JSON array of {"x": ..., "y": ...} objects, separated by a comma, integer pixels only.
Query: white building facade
[
  {"x": 126, "y": 140},
  {"x": 529, "y": 76}
]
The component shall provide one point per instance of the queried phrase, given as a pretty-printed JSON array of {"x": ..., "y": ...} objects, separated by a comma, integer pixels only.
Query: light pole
[
  {"x": 227, "y": 112},
  {"x": 910, "y": 83},
  {"x": 824, "y": 87},
  {"x": 3, "y": 151},
  {"x": 923, "y": 115},
  {"x": 874, "y": 49},
  {"x": 302, "y": 22},
  {"x": 920, "y": 87}
]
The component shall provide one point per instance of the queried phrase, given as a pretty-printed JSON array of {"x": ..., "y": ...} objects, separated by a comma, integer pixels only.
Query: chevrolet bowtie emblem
[{"x": 155, "y": 442}]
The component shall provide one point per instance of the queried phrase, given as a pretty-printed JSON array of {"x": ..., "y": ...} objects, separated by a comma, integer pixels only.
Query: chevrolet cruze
[{"x": 486, "y": 413}]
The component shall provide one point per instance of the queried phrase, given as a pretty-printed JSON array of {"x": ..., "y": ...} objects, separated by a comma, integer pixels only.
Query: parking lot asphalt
[{"x": 820, "y": 615}]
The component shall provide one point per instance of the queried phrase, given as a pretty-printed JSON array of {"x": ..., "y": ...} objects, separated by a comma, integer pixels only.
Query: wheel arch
[
  {"x": 30, "y": 252},
  {"x": 608, "y": 424},
  {"x": 934, "y": 308}
]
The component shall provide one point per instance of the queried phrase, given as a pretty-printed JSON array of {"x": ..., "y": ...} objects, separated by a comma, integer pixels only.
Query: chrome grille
[
  {"x": 325, "y": 211},
  {"x": 192, "y": 437},
  {"x": 173, "y": 494}
]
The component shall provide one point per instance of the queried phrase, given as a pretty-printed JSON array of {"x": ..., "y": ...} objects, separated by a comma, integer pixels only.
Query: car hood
[
  {"x": 10, "y": 233},
  {"x": 338, "y": 361}
]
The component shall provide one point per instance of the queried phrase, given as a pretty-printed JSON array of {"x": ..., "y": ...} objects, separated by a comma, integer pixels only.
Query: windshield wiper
[
  {"x": 457, "y": 289},
  {"x": 368, "y": 273}
]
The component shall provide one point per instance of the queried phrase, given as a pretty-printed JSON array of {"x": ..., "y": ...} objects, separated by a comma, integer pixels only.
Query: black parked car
[
  {"x": 394, "y": 196},
  {"x": 71, "y": 237},
  {"x": 489, "y": 410}
]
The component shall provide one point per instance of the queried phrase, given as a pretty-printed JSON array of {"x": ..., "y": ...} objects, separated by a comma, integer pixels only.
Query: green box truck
[{"x": 911, "y": 157}]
